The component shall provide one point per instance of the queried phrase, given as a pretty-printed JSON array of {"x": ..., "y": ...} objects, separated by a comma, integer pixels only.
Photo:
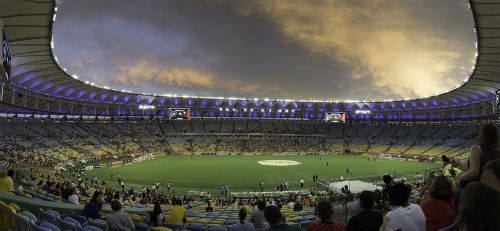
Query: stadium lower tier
[{"x": 50, "y": 143}]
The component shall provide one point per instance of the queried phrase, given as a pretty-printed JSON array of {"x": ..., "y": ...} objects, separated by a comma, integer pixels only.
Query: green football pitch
[{"x": 243, "y": 173}]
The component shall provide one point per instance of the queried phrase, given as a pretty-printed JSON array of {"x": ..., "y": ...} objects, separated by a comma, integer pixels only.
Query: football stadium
[{"x": 257, "y": 129}]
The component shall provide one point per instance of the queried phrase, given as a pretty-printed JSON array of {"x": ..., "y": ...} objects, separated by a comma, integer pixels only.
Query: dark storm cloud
[{"x": 283, "y": 49}]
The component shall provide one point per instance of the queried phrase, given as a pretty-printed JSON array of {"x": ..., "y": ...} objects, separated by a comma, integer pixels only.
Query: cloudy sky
[{"x": 326, "y": 50}]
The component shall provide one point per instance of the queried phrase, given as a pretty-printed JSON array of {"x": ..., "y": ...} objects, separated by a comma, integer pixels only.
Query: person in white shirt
[
  {"x": 73, "y": 198},
  {"x": 405, "y": 216}
]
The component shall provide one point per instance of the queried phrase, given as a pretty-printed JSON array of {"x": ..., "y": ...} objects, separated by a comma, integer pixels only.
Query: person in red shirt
[
  {"x": 439, "y": 210},
  {"x": 328, "y": 221}
]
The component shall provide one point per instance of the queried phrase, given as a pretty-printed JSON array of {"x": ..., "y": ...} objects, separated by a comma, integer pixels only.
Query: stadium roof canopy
[{"x": 35, "y": 70}]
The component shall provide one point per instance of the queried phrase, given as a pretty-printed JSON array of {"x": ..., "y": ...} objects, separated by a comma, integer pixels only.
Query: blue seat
[
  {"x": 196, "y": 228},
  {"x": 50, "y": 226},
  {"x": 101, "y": 224},
  {"x": 173, "y": 227},
  {"x": 91, "y": 228},
  {"x": 30, "y": 216},
  {"x": 66, "y": 225},
  {"x": 80, "y": 219},
  {"x": 141, "y": 227},
  {"x": 218, "y": 228},
  {"x": 44, "y": 215},
  {"x": 35, "y": 227},
  {"x": 22, "y": 222},
  {"x": 57, "y": 214}
]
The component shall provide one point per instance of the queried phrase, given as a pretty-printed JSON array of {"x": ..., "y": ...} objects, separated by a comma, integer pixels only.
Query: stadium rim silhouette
[{"x": 38, "y": 85}]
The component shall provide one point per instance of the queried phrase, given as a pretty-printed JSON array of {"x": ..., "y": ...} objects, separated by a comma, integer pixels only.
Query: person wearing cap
[{"x": 119, "y": 220}]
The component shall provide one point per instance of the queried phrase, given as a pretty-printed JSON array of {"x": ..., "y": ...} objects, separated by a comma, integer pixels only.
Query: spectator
[
  {"x": 157, "y": 217},
  {"x": 406, "y": 216},
  {"x": 328, "y": 221},
  {"x": 276, "y": 220},
  {"x": 177, "y": 213},
  {"x": 481, "y": 153},
  {"x": 209, "y": 207},
  {"x": 243, "y": 225},
  {"x": 367, "y": 219},
  {"x": 6, "y": 182},
  {"x": 92, "y": 210},
  {"x": 258, "y": 216},
  {"x": 491, "y": 175},
  {"x": 480, "y": 208},
  {"x": 439, "y": 210},
  {"x": 119, "y": 220},
  {"x": 73, "y": 198}
]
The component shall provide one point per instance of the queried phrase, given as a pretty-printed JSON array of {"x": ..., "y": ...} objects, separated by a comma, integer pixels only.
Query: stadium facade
[{"x": 37, "y": 84}]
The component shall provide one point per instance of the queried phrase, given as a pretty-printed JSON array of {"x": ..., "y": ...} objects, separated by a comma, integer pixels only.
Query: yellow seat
[
  {"x": 136, "y": 218},
  {"x": 6, "y": 217},
  {"x": 201, "y": 221},
  {"x": 160, "y": 228},
  {"x": 216, "y": 222},
  {"x": 15, "y": 207},
  {"x": 291, "y": 223}
]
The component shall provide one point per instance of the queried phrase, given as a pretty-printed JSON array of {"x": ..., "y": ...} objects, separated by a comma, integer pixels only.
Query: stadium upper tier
[{"x": 38, "y": 85}]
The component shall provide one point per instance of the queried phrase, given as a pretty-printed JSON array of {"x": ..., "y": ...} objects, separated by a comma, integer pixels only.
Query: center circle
[{"x": 278, "y": 162}]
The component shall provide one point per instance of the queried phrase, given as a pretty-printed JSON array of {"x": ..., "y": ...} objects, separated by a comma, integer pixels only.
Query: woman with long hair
[
  {"x": 92, "y": 210},
  {"x": 157, "y": 217},
  {"x": 485, "y": 151}
]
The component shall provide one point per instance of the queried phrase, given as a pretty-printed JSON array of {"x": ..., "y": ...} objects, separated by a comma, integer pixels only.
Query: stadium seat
[
  {"x": 7, "y": 220},
  {"x": 35, "y": 227},
  {"x": 101, "y": 224},
  {"x": 22, "y": 222},
  {"x": 30, "y": 216},
  {"x": 218, "y": 228},
  {"x": 80, "y": 219},
  {"x": 49, "y": 226},
  {"x": 136, "y": 218},
  {"x": 92, "y": 228},
  {"x": 173, "y": 227},
  {"x": 141, "y": 227},
  {"x": 160, "y": 228},
  {"x": 15, "y": 207},
  {"x": 66, "y": 225},
  {"x": 44, "y": 215}
]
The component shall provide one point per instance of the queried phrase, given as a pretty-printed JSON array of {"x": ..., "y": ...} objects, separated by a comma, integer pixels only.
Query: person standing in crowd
[
  {"x": 405, "y": 216},
  {"x": 157, "y": 217},
  {"x": 243, "y": 225},
  {"x": 367, "y": 219},
  {"x": 439, "y": 209},
  {"x": 482, "y": 153},
  {"x": 276, "y": 220},
  {"x": 119, "y": 220},
  {"x": 258, "y": 216},
  {"x": 480, "y": 208},
  {"x": 328, "y": 221},
  {"x": 491, "y": 175}
]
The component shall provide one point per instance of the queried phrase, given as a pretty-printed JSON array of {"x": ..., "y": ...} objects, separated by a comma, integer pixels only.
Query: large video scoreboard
[{"x": 335, "y": 117}]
